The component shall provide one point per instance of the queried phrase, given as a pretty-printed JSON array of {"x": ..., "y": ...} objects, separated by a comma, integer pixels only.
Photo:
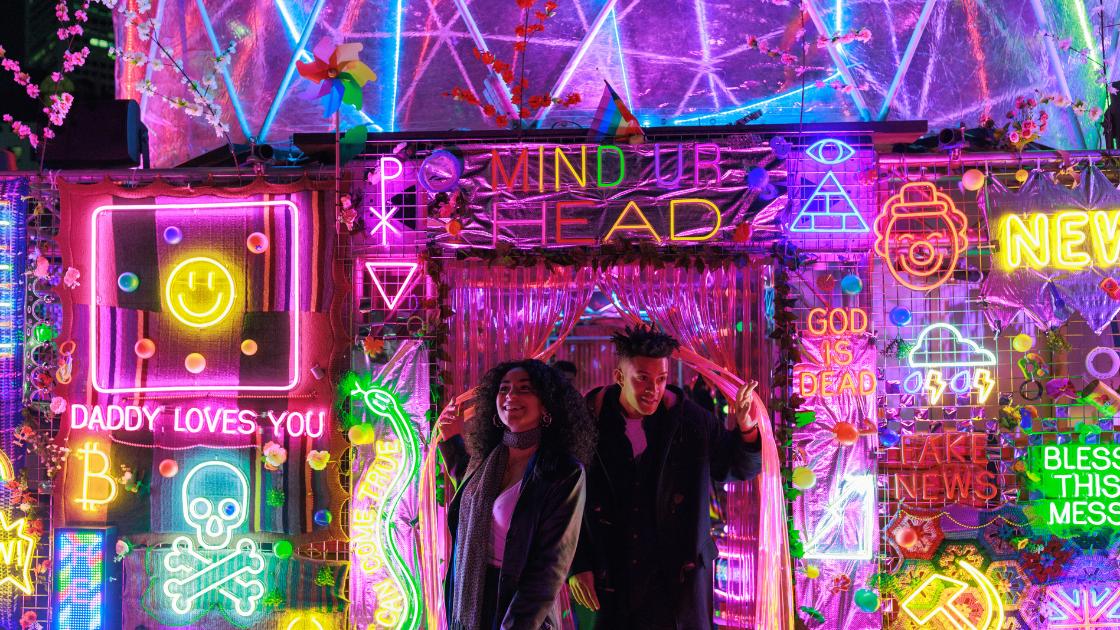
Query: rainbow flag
[{"x": 613, "y": 118}]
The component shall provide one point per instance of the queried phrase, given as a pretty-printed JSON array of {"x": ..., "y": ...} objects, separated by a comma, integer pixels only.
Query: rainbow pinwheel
[{"x": 340, "y": 74}]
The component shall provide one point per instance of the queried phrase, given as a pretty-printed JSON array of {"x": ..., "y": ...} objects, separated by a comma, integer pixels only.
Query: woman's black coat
[{"x": 543, "y": 534}]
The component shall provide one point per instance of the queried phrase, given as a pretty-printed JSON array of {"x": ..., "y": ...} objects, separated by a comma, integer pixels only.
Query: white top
[
  {"x": 636, "y": 435},
  {"x": 499, "y": 529}
]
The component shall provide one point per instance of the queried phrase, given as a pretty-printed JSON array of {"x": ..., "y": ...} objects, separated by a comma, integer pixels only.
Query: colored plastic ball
[
  {"x": 323, "y": 518},
  {"x": 362, "y": 434},
  {"x": 846, "y": 433},
  {"x": 168, "y": 468},
  {"x": 1021, "y": 175},
  {"x": 1022, "y": 342},
  {"x": 851, "y": 284},
  {"x": 867, "y": 600},
  {"x": 195, "y": 363},
  {"x": 454, "y": 227},
  {"x": 973, "y": 179},
  {"x": 282, "y": 549},
  {"x": 889, "y": 438},
  {"x": 900, "y": 316},
  {"x": 145, "y": 348},
  {"x": 758, "y": 177},
  {"x": 44, "y": 333},
  {"x": 257, "y": 243},
  {"x": 803, "y": 478},
  {"x": 128, "y": 282},
  {"x": 172, "y": 235},
  {"x": 812, "y": 571},
  {"x": 906, "y": 537},
  {"x": 248, "y": 347},
  {"x": 826, "y": 283}
]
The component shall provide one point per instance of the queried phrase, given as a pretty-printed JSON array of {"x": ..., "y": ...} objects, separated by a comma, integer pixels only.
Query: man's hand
[
  {"x": 450, "y": 423},
  {"x": 744, "y": 400},
  {"x": 582, "y": 586}
]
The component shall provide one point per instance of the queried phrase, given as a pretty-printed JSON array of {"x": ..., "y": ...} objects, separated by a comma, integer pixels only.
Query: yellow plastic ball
[
  {"x": 973, "y": 179},
  {"x": 812, "y": 571},
  {"x": 804, "y": 478},
  {"x": 1021, "y": 175},
  {"x": 248, "y": 347},
  {"x": 362, "y": 434},
  {"x": 1022, "y": 342}
]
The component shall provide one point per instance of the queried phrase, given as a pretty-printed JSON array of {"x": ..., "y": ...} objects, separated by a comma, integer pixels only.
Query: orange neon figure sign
[{"x": 921, "y": 235}]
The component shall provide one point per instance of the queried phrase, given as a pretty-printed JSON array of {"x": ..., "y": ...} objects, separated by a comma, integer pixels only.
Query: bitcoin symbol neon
[
  {"x": 90, "y": 451},
  {"x": 199, "y": 292}
]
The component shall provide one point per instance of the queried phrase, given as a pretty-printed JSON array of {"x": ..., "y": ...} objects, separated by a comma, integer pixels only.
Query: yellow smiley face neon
[{"x": 199, "y": 292}]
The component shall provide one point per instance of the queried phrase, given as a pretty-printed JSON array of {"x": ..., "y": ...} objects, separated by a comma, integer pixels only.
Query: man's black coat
[{"x": 667, "y": 542}]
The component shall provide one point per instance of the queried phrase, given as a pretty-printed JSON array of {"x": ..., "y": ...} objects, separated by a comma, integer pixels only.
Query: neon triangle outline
[
  {"x": 805, "y": 213},
  {"x": 391, "y": 264}
]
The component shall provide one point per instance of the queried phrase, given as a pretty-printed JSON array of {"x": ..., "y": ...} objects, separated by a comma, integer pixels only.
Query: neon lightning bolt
[
  {"x": 983, "y": 384},
  {"x": 935, "y": 386}
]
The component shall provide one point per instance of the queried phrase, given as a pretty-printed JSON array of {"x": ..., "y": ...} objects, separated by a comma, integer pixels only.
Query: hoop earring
[
  {"x": 496, "y": 421},
  {"x": 546, "y": 419}
]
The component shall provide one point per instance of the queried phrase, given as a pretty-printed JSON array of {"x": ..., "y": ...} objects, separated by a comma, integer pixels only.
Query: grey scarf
[{"x": 473, "y": 535}]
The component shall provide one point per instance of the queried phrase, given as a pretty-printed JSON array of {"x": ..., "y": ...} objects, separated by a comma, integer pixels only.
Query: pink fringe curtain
[
  {"x": 701, "y": 309},
  {"x": 499, "y": 314}
]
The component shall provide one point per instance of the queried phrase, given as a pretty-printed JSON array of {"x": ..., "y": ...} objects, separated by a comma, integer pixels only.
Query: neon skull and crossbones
[{"x": 212, "y": 573}]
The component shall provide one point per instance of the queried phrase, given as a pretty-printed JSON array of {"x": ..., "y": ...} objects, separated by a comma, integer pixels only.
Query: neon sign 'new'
[
  {"x": 1070, "y": 240},
  {"x": 394, "y": 470},
  {"x": 921, "y": 235},
  {"x": 829, "y": 208}
]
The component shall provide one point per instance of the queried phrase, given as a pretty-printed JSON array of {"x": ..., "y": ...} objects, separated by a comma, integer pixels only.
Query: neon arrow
[{"x": 934, "y": 587}]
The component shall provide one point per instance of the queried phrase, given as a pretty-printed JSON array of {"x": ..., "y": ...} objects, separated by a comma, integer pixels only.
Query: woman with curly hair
[{"x": 516, "y": 515}]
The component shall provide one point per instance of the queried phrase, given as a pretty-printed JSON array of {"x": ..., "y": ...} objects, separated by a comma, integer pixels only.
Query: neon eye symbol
[
  {"x": 830, "y": 151},
  {"x": 199, "y": 292}
]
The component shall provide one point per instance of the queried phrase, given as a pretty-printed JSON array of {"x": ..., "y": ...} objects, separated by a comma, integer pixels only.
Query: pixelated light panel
[
  {"x": 87, "y": 581},
  {"x": 195, "y": 296}
]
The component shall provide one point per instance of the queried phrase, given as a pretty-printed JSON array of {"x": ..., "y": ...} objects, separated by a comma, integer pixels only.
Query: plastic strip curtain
[
  {"x": 700, "y": 308},
  {"x": 499, "y": 314}
]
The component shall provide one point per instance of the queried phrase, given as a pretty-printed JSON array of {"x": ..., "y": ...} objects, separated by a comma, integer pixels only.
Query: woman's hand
[
  {"x": 744, "y": 401},
  {"x": 450, "y": 422}
]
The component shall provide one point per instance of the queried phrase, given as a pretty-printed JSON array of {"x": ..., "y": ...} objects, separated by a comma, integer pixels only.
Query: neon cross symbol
[{"x": 936, "y": 584}]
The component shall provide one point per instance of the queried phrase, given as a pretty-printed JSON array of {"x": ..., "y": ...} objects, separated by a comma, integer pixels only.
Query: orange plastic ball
[
  {"x": 257, "y": 243},
  {"x": 248, "y": 347},
  {"x": 169, "y": 468},
  {"x": 846, "y": 433},
  {"x": 145, "y": 348},
  {"x": 195, "y": 363},
  {"x": 906, "y": 537}
]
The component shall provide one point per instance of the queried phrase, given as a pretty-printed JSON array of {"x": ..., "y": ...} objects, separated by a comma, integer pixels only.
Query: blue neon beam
[
  {"x": 748, "y": 106},
  {"x": 622, "y": 61},
  {"x": 391, "y": 115},
  {"x": 233, "y": 98},
  {"x": 289, "y": 72}
]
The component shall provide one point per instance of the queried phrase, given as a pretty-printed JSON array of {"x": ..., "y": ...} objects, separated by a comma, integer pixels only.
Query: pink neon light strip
[
  {"x": 376, "y": 264},
  {"x": 293, "y": 358}
]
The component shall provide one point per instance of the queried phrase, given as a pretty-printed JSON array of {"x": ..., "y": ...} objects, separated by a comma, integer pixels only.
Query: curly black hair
[
  {"x": 572, "y": 431},
  {"x": 643, "y": 341}
]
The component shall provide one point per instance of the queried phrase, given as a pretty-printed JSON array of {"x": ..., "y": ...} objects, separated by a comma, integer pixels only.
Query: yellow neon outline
[
  {"x": 292, "y": 624},
  {"x": 1064, "y": 238},
  {"x": 171, "y": 304},
  {"x": 673, "y": 220},
  {"x": 24, "y": 583},
  {"x": 993, "y": 611},
  {"x": 935, "y": 386},
  {"x": 983, "y": 383},
  {"x": 7, "y": 471},
  {"x": 645, "y": 225},
  {"x": 1106, "y": 222},
  {"x": 88, "y": 504}
]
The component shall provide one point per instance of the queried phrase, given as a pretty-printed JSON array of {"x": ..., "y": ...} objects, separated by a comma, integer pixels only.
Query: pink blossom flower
[
  {"x": 80, "y": 15},
  {"x": 11, "y": 65},
  {"x": 32, "y": 90},
  {"x": 1095, "y": 113},
  {"x": 1032, "y": 103},
  {"x": 56, "y": 77},
  {"x": 1064, "y": 44},
  {"x": 48, "y": 133},
  {"x": 7, "y": 118},
  {"x": 1020, "y": 102},
  {"x": 1013, "y": 137}
]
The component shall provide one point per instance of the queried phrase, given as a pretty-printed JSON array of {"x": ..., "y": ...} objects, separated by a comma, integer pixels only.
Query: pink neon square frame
[{"x": 293, "y": 359}]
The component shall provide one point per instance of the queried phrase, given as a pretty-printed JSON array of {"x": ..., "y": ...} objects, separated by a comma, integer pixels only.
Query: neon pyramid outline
[
  {"x": 835, "y": 193},
  {"x": 373, "y": 265}
]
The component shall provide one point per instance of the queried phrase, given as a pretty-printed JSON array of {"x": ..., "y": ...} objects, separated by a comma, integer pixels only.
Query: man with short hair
[{"x": 645, "y": 555}]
